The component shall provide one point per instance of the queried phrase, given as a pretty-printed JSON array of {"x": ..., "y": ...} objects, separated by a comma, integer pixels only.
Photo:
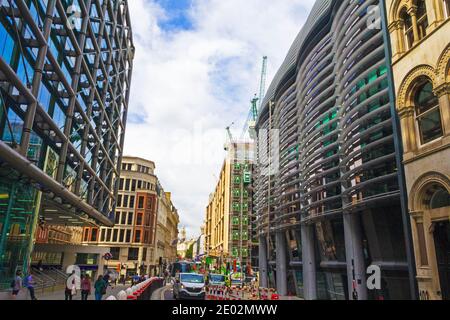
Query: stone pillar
[
  {"x": 69, "y": 256},
  {"x": 395, "y": 30},
  {"x": 440, "y": 10},
  {"x": 101, "y": 263},
  {"x": 443, "y": 92},
  {"x": 412, "y": 12},
  {"x": 281, "y": 263},
  {"x": 408, "y": 130},
  {"x": 400, "y": 37},
  {"x": 309, "y": 263},
  {"x": 263, "y": 280},
  {"x": 404, "y": 123},
  {"x": 356, "y": 269}
]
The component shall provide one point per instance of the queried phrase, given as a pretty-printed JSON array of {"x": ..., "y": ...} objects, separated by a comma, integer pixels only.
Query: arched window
[
  {"x": 422, "y": 19},
  {"x": 428, "y": 114},
  {"x": 447, "y": 9},
  {"x": 435, "y": 196},
  {"x": 407, "y": 28},
  {"x": 440, "y": 199}
]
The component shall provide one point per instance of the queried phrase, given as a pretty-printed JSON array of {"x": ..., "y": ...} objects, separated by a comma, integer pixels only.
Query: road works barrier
[
  {"x": 141, "y": 291},
  {"x": 240, "y": 293}
]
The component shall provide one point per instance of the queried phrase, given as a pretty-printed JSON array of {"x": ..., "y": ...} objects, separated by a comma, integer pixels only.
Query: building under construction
[
  {"x": 229, "y": 219},
  {"x": 65, "y": 72},
  {"x": 327, "y": 194}
]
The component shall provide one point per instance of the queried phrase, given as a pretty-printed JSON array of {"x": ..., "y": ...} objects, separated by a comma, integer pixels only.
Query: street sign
[{"x": 108, "y": 256}]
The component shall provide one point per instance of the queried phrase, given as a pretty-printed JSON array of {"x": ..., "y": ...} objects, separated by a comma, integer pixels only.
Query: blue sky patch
[
  {"x": 137, "y": 118},
  {"x": 178, "y": 14}
]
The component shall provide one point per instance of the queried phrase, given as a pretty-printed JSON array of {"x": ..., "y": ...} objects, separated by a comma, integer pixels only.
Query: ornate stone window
[
  {"x": 408, "y": 31},
  {"x": 428, "y": 114},
  {"x": 422, "y": 19}
]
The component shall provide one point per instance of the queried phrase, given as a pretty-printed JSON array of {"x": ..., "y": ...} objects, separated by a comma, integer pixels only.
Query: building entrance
[{"x": 442, "y": 242}]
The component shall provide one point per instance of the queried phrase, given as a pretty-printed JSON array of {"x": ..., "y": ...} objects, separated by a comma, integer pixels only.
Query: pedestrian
[
  {"x": 106, "y": 278},
  {"x": 29, "y": 284},
  {"x": 16, "y": 285},
  {"x": 100, "y": 288},
  {"x": 85, "y": 287},
  {"x": 39, "y": 265},
  {"x": 70, "y": 287}
]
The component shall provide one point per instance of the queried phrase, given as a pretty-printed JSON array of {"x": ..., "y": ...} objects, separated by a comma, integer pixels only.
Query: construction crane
[
  {"x": 230, "y": 137},
  {"x": 257, "y": 102}
]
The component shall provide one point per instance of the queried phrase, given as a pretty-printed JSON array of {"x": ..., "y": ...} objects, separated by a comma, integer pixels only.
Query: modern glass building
[
  {"x": 65, "y": 72},
  {"x": 332, "y": 207}
]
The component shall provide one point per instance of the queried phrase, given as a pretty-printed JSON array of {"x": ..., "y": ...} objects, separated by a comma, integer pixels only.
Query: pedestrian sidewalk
[{"x": 58, "y": 294}]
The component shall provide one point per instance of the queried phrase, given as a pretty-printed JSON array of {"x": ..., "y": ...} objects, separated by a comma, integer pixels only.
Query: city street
[
  {"x": 164, "y": 293},
  {"x": 224, "y": 151}
]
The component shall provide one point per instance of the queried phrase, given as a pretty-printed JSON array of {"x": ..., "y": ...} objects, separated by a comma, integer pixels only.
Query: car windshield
[
  {"x": 217, "y": 278},
  {"x": 192, "y": 278}
]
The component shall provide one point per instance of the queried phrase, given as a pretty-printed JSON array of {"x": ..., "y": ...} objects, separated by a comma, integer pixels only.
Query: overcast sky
[{"x": 197, "y": 67}]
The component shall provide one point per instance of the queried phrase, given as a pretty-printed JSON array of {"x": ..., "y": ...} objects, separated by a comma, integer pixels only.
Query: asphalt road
[
  {"x": 164, "y": 293},
  {"x": 168, "y": 294}
]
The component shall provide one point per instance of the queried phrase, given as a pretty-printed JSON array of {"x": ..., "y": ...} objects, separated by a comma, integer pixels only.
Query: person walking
[
  {"x": 70, "y": 287},
  {"x": 106, "y": 278},
  {"x": 85, "y": 287},
  {"x": 100, "y": 288},
  {"x": 29, "y": 284},
  {"x": 16, "y": 285},
  {"x": 39, "y": 266}
]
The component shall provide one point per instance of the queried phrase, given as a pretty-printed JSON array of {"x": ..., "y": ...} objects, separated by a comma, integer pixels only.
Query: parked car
[{"x": 189, "y": 286}]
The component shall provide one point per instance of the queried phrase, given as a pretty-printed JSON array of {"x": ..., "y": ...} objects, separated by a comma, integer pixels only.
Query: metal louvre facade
[
  {"x": 65, "y": 74},
  {"x": 332, "y": 207}
]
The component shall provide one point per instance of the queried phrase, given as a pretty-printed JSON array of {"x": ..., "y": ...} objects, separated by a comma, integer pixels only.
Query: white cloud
[{"x": 188, "y": 85}]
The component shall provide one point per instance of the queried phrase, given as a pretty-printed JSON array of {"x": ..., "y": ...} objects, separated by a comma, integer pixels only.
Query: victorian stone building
[{"x": 420, "y": 56}]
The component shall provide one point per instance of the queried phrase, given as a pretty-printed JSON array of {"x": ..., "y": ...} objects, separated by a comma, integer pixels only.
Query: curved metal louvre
[
  {"x": 334, "y": 121},
  {"x": 336, "y": 151}
]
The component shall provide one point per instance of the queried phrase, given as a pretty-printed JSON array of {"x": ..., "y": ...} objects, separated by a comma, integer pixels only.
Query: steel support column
[
  {"x": 309, "y": 262},
  {"x": 281, "y": 263},
  {"x": 37, "y": 78},
  {"x": 356, "y": 269},
  {"x": 263, "y": 280}
]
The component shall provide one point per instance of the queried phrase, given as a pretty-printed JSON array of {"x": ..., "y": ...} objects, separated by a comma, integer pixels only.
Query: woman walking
[
  {"x": 100, "y": 288},
  {"x": 85, "y": 287},
  {"x": 16, "y": 285}
]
